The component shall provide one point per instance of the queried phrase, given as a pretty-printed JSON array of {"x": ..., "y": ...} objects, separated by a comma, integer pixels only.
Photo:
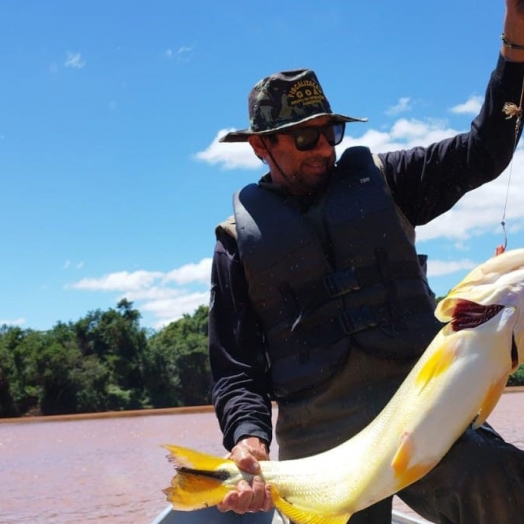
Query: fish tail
[{"x": 200, "y": 481}]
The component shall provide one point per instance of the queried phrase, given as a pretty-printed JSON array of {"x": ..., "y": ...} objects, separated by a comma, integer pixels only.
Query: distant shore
[
  {"x": 112, "y": 414},
  {"x": 143, "y": 412}
]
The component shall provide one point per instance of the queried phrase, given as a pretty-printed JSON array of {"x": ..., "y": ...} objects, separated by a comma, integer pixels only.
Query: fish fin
[
  {"x": 404, "y": 473},
  {"x": 304, "y": 515},
  {"x": 437, "y": 364},
  {"x": 402, "y": 457},
  {"x": 199, "y": 482},
  {"x": 182, "y": 457},
  {"x": 490, "y": 401}
]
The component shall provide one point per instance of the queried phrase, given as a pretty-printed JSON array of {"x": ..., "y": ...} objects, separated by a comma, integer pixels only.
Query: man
[{"x": 320, "y": 301}]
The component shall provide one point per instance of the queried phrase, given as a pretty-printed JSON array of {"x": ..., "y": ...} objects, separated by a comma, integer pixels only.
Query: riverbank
[
  {"x": 145, "y": 412},
  {"x": 111, "y": 414}
]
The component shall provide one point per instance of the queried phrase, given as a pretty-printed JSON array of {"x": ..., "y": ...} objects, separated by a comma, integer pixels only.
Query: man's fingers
[
  {"x": 259, "y": 492},
  {"x": 247, "y": 498},
  {"x": 245, "y": 460},
  {"x": 246, "y": 495},
  {"x": 268, "y": 501},
  {"x": 229, "y": 502}
]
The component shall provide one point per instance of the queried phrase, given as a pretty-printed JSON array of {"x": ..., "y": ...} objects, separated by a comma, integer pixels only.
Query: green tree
[
  {"x": 517, "y": 378},
  {"x": 24, "y": 346},
  {"x": 55, "y": 366},
  {"x": 116, "y": 339},
  {"x": 8, "y": 406},
  {"x": 178, "y": 365}
]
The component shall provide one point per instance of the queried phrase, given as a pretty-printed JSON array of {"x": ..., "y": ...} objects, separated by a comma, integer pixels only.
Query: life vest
[{"x": 369, "y": 291}]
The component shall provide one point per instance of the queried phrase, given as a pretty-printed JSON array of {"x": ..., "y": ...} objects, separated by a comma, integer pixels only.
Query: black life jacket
[{"x": 368, "y": 291}]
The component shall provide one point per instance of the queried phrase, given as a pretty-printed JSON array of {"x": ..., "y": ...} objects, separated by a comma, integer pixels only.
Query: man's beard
[{"x": 303, "y": 183}]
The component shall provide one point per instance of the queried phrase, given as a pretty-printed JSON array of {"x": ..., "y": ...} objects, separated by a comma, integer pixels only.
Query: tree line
[{"x": 106, "y": 361}]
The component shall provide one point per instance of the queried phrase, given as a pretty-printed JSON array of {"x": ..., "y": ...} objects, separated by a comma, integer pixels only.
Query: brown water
[{"x": 112, "y": 470}]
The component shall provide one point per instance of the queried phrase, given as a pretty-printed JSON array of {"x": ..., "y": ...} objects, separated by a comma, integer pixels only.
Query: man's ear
[{"x": 259, "y": 146}]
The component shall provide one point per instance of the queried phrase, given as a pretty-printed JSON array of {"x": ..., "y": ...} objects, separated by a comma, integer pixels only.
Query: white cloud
[
  {"x": 119, "y": 281},
  {"x": 229, "y": 156},
  {"x": 481, "y": 211},
  {"x": 170, "y": 309},
  {"x": 183, "y": 54},
  {"x": 403, "y": 105},
  {"x": 415, "y": 132},
  {"x": 437, "y": 268},
  {"x": 191, "y": 273},
  {"x": 166, "y": 295},
  {"x": 68, "y": 264},
  {"x": 403, "y": 134},
  {"x": 470, "y": 107},
  {"x": 74, "y": 61},
  {"x": 16, "y": 322}
]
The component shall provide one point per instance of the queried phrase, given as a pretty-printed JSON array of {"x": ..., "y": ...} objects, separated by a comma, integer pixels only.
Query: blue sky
[{"x": 112, "y": 179}]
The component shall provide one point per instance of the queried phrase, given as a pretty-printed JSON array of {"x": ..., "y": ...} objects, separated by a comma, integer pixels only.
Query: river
[{"x": 112, "y": 469}]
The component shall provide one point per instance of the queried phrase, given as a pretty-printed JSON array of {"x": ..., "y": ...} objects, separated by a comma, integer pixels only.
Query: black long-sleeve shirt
[{"x": 425, "y": 182}]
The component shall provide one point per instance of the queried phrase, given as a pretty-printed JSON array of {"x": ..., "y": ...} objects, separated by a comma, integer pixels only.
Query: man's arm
[
  {"x": 241, "y": 385},
  {"x": 428, "y": 181},
  {"x": 514, "y": 31},
  {"x": 238, "y": 363}
]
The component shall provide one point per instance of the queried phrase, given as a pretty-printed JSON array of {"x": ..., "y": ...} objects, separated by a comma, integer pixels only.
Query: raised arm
[{"x": 513, "y": 31}]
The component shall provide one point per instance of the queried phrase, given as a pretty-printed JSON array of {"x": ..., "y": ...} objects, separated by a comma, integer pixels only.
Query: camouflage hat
[{"x": 283, "y": 100}]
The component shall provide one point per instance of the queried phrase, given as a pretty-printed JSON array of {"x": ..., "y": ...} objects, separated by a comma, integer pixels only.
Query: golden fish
[{"x": 457, "y": 382}]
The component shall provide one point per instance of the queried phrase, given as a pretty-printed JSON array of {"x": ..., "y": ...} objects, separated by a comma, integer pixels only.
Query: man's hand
[
  {"x": 513, "y": 30},
  {"x": 248, "y": 498}
]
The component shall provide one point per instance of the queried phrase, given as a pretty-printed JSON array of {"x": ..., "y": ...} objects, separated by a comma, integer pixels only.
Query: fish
[{"x": 455, "y": 384}]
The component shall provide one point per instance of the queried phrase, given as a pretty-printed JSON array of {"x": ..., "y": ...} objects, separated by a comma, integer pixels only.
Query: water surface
[{"x": 112, "y": 470}]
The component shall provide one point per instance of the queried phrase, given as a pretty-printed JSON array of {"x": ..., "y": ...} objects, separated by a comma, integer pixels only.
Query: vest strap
[{"x": 341, "y": 282}]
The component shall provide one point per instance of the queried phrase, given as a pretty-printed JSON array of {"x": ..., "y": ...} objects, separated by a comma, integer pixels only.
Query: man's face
[{"x": 301, "y": 171}]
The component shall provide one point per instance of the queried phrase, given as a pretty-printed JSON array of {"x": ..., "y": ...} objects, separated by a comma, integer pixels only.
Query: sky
[{"x": 112, "y": 179}]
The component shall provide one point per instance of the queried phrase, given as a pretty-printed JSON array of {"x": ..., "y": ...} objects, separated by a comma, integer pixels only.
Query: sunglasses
[{"x": 306, "y": 138}]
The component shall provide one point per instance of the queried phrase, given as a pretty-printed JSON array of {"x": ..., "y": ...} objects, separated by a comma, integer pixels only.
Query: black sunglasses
[{"x": 306, "y": 138}]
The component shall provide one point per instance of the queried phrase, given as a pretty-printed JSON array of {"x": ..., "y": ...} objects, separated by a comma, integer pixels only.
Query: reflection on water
[{"x": 112, "y": 470}]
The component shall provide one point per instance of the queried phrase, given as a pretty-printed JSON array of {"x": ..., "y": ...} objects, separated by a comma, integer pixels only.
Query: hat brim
[{"x": 244, "y": 134}]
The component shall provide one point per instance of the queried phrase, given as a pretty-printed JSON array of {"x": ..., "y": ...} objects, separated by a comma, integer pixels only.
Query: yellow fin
[
  {"x": 304, "y": 515},
  {"x": 199, "y": 482},
  {"x": 490, "y": 401},
  {"x": 402, "y": 456},
  {"x": 404, "y": 473},
  {"x": 189, "y": 458},
  {"x": 437, "y": 364}
]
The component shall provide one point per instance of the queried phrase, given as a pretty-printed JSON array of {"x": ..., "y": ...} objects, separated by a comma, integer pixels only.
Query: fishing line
[{"x": 511, "y": 110}]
